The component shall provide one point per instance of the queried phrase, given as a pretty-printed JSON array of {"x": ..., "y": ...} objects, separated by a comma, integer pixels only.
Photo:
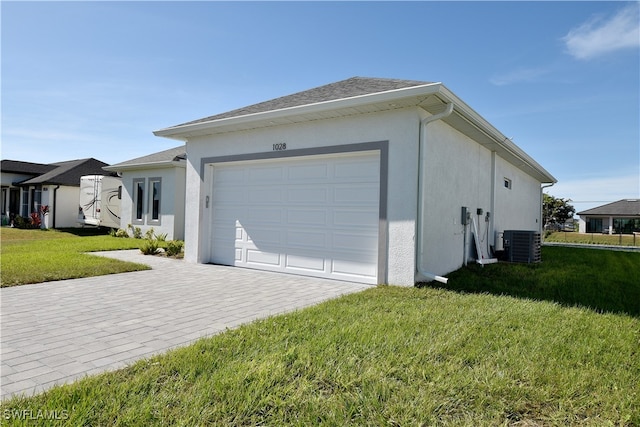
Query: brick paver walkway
[{"x": 56, "y": 332}]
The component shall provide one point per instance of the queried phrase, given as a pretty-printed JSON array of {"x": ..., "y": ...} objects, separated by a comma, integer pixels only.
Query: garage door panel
[
  {"x": 355, "y": 218},
  {"x": 265, "y": 215},
  {"x": 229, "y": 195},
  {"x": 263, "y": 258},
  {"x": 309, "y": 172},
  {"x": 262, "y": 175},
  {"x": 353, "y": 268},
  {"x": 320, "y": 219},
  {"x": 359, "y": 194},
  {"x": 229, "y": 176},
  {"x": 225, "y": 234},
  {"x": 308, "y": 195},
  {"x": 354, "y": 242},
  {"x": 225, "y": 215},
  {"x": 268, "y": 195},
  {"x": 264, "y": 238},
  {"x": 307, "y": 217},
  {"x": 307, "y": 239},
  {"x": 364, "y": 169},
  {"x": 303, "y": 263}
]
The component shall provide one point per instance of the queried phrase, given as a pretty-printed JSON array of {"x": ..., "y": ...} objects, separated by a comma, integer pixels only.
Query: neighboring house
[
  {"x": 362, "y": 180},
  {"x": 618, "y": 217},
  {"x": 153, "y": 192},
  {"x": 27, "y": 186}
]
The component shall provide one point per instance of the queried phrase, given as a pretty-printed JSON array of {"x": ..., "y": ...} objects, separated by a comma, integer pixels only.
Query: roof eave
[
  {"x": 147, "y": 165},
  {"x": 183, "y": 132},
  {"x": 495, "y": 140}
]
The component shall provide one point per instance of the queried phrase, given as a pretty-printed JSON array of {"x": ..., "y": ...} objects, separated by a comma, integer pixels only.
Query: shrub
[
  {"x": 34, "y": 220},
  {"x": 149, "y": 234},
  {"x": 20, "y": 222},
  {"x": 149, "y": 247},
  {"x": 174, "y": 247},
  {"x": 119, "y": 233},
  {"x": 136, "y": 231},
  {"x": 161, "y": 237}
]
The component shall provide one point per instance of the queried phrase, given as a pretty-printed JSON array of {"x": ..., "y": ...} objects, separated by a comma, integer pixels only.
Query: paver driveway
[{"x": 54, "y": 333}]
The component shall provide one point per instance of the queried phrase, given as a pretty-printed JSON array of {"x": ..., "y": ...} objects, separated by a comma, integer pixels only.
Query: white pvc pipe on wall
[{"x": 422, "y": 273}]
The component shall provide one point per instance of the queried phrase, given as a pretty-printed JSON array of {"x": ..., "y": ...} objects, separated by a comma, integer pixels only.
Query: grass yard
[
  {"x": 593, "y": 238},
  {"x": 34, "y": 256},
  {"x": 393, "y": 356},
  {"x": 595, "y": 278}
]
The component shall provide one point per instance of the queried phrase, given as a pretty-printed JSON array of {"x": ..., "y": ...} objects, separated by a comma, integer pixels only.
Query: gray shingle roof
[
  {"x": 68, "y": 173},
  {"x": 170, "y": 155},
  {"x": 355, "y": 86},
  {"x": 27, "y": 168},
  {"x": 625, "y": 207}
]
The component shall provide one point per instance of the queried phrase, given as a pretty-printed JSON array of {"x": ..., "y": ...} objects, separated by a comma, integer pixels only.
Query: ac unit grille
[{"x": 522, "y": 246}]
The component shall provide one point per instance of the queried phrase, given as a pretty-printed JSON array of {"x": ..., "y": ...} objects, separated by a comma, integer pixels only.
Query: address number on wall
[{"x": 280, "y": 147}]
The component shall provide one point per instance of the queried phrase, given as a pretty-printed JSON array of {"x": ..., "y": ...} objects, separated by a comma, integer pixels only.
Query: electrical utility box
[{"x": 522, "y": 246}]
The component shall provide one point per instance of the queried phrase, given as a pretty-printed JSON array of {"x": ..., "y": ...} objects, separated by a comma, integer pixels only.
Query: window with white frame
[
  {"x": 24, "y": 202},
  {"x": 36, "y": 199},
  {"x": 507, "y": 183}
]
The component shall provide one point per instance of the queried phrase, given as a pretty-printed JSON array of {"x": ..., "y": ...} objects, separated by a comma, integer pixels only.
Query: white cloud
[{"x": 601, "y": 36}]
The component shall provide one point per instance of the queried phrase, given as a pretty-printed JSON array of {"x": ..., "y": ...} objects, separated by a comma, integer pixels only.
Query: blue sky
[{"x": 94, "y": 79}]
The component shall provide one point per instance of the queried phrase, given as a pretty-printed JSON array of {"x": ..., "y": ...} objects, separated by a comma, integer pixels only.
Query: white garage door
[{"x": 313, "y": 215}]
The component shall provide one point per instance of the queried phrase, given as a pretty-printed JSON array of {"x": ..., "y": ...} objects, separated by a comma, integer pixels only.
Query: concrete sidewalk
[{"x": 56, "y": 332}]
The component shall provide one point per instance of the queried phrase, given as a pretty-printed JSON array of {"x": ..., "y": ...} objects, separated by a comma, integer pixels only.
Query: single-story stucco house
[
  {"x": 27, "y": 186},
  {"x": 366, "y": 179},
  {"x": 618, "y": 217},
  {"x": 153, "y": 189}
]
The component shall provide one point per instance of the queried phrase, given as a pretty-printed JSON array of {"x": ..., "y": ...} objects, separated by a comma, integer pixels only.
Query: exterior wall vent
[{"x": 522, "y": 246}]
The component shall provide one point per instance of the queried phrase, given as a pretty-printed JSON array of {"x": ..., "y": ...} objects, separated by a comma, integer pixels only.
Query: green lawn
[
  {"x": 394, "y": 356},
  {"x": 593, "y": 238},
  {"x": 599, "y": 279},
  {"x": 34, "y": 256}
]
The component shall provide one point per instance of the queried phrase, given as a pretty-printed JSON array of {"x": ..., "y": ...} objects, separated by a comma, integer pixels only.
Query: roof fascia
[
  {"x": 470, "y": 115},
  {"x": 519, "y": 157},
  {"x": 182, "y": 132},
  {"x": 147, "y": 165}
]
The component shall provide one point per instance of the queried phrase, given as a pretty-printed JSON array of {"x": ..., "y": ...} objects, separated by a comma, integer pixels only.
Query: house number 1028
[{"x": 280, "y": 147}]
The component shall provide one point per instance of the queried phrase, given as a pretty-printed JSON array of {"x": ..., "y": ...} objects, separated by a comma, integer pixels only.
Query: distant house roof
[
  {"x": 62, "y": 173},
  {"x": 625, "y": 207},
  {"x": 355, "y": 86},
  {"x": 170, "y": 157},
  {"x": 26, "y": 168}
]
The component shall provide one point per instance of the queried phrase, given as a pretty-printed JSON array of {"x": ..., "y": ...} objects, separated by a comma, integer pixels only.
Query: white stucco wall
[
  {"x": 171, "y": 203},
  {"x": 7, "y": 179},
  {"x": 517, "y": 208},
  {"x": 458, "y": 172},
  {"x": 65, "y": 207},
  {"x": 400, "y": 128}
]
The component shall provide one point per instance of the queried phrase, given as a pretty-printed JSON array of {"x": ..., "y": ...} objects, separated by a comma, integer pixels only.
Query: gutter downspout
[
  {"x": 55, "y": 205},
  {"x": 542, "y": 224},
  {"x": 421, "y": 199}
]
